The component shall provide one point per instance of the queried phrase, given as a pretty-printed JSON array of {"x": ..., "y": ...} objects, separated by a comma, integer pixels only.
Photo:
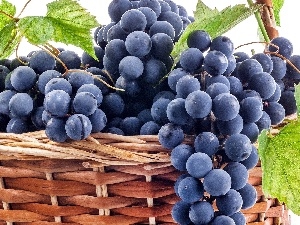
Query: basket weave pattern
[{"x": 99, "y": 188}]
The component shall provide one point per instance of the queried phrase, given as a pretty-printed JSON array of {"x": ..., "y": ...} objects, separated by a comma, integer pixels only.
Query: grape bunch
[{"x": 222, "y": 97}]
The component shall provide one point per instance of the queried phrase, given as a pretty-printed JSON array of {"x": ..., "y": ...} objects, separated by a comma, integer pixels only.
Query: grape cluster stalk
[{"x": 224, "y": 98}]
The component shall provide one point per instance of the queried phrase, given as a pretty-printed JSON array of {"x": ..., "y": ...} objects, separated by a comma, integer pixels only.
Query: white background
[{"x": 243, "y": 33}]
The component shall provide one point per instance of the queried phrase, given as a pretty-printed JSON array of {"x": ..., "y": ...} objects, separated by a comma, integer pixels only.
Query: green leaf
[
  {"x": 72, "y": 24},
  {"x": 277, "y": 5},
  {"x": 9, "y": 39},
  {"x": 280, "y": 157},
  {"x": 297, "y": 97},
  {"x": 37, "y": 29},
  {"x": 214, "y": 22},
  {"x": 7, "y": 11}
]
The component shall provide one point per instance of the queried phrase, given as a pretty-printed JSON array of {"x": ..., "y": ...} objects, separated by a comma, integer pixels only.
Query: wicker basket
[{"x": 106, "y": 179}]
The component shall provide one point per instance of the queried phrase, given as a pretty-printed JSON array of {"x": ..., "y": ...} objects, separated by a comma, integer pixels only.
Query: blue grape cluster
[{"x": 221, "y": 97}]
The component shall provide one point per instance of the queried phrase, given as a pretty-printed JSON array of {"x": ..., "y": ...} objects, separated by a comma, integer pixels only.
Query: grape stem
[
  {"x": 23, "y": 8},
  {"x": 260, "y": 23}
]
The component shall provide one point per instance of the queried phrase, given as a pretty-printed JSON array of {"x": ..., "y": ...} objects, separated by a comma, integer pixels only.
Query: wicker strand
[
  {"x": 54, "y": 200},
  {"x": 101, "y": 191},
  {"x": 150, "y": 202},
  {"x": 5, "y": 204}
]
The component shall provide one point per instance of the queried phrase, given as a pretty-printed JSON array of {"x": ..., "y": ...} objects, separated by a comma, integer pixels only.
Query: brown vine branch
[
  {"x": 23, "y": 8},
  {"x": 268, "y": 18}
]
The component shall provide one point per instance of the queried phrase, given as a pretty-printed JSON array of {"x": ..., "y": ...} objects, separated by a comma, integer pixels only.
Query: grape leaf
[
  {"x": 297, "y": 97},
  {"x": 72, "y": 24},
  {"x": 9, "y": 40},
  {"x": 280, "y": 157},
  {"x": 277, "y": 5},
  {"x": 214, "y": 22},
  {"x": 37, "y": 29},
  {"x": 7, "y": 11}
]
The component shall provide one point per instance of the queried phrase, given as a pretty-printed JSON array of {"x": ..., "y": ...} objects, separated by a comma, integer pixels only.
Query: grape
[
  {"x": 238, "y": 173},
  {"x": 231, "y": 65},
  {"x": 265, "y": 61},
  {"x": 170, "y": 135},
  {"x": 191, "y": 59},
  {"x": 276, "y": 96},
  {"x": 199, "y": 164},
  {"x": 131, "y": 125},
  {"x": 179, "y": 156},
  {"x": 111, "y": 66},
  {"x": 93, "y": 89},
  {"x": 162, "y": 46},
  {"x": 174, "y": 76},
  {"x": 199, "y": 39},
  {"x": 288, "y": 101},
  {"x": 95, "y": 33},
  {"x": 217, "y": 182},
  {"x": 201, "y": 212},
  {"x": 145, "y": 115},
  {"x": 79, "y": 78},
  {"x": 215, "y": 63},
  {"x": 19, "y": 61},
  {"x": 17, "y": 125},
  {"x": 105, "y": 31},
  {"x": 186, "y": 85},
  {"x": 116, "y": 32},
  {"x": 84, "y": 103},
  {"x": 113, "y": 104},
  {"x": 249, "y": 93},
  {"x": 251, "y": 131},
  {"x": 115, "y": 130},
  {"x": 115, "y": 50},
  {"x": 182, "y": 11},
  {"x": 207, "y": 143},
  {"x": 225, "y": 106},
  {"x": 229, "y": 203},
  {"x": 290, "y": 71},
  {"x": 222, "y": 44},
  {"x": 249, "y": 196},
  {"x": 216, "y": 88},
  {"x": 185, "y": 22},
  {"x": 149, "y": 128},
  {"x": 230, "y": 127},
  {"x": 251, "y": 109},
  {"x": 279, "y": 68},
  {"x": 36, "y": 118},
  {"x": 180, "y": 212},
  {"x": 152, "y": 4},
  {"x": 116, "y": 8},
  {"x": 173, "y": 5},
  {"x": 57, "y": 103},
  {"x": 285, "y": 47},
  {"x": 46, "y": 116},
  {"x": 138, "y": 43},
  {"x": 98, "y": 120},
  {"x": 3, "y": 73},
  {"x": 131, "y": 67},
  {"x": 238, "y": 147},
  {"x": 198, "y": 104},
  {"x": 162, "y": 27},
  {"x": 89, "y": 61},
  {"x": 45, "y": 77},
  {"x": 239, "y": 218},
  {"x": 41, "y": 61},
  {"x": 264, "y": 122},
  {"x": 159, "y": 111},
  {"x": 190, "y": 189},
  {"x": 276, "y": 112},
  {"x": 98, "y": 81},
  {"x": 23, "y": 78},
  {"x": 248, "y": 68},
  {"x": 5, "y": 62},
  {"x": 252, "y": 160},
  {"x": 58, "y": 83},
  {"x": 154, "y": 71},
  {"x": 78, "y": 127},
  {"x": 20, "y": 105},
  {"x": 264, "y": 84},
  {"x": 223, "y": 220},
  {"x": 70, "y": 58},
  {"x": 241, "y": 56},
  {"x": 217, "y": 79},
  {"x": 174, "y": 19},
  {"x": 177, "y": 113},
  {"x": 133, "y": 20},
  {"x": 149, "y": 14},
  {"x": 55, "y": 129},
  {"x": 5, "y": 97}
]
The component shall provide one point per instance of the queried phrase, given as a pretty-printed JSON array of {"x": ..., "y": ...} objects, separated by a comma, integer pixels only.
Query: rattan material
[{"x": 92, "y": 186}]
